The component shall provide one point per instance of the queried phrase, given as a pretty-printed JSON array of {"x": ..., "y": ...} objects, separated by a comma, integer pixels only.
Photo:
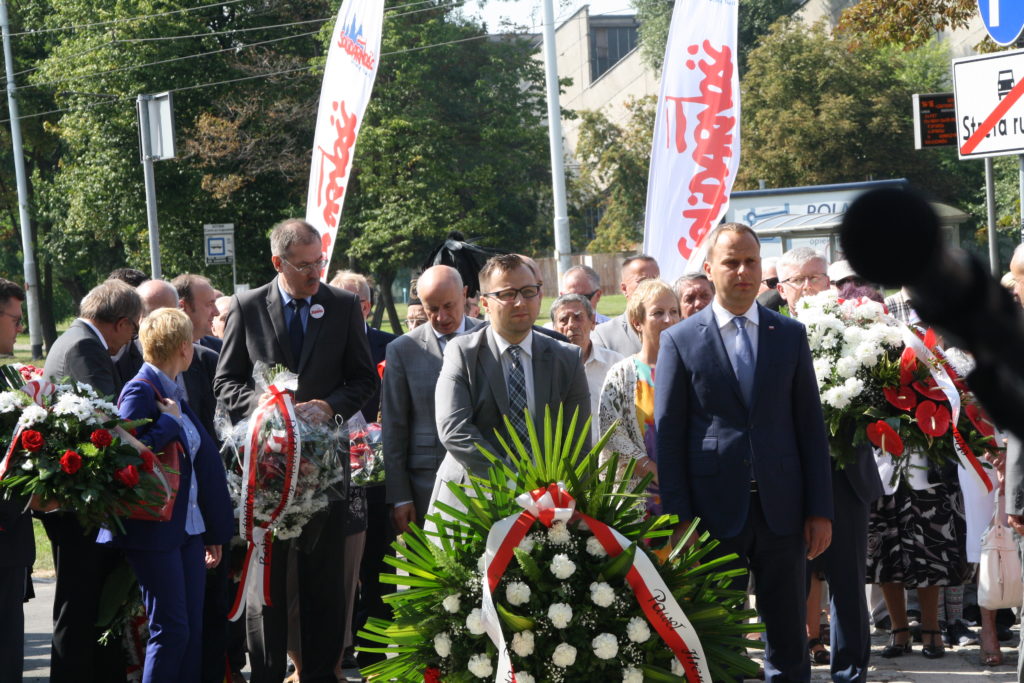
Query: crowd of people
[{"x": 706, "y": 384}]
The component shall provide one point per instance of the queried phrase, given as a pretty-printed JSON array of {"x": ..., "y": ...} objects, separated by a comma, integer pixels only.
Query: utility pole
[
  {"x": 563, "y": 247},
  {"x": 146, "y": 144},
  {"x": 35, "y": 332}
]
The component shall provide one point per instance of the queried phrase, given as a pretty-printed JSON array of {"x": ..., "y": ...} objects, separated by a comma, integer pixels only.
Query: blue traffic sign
[{"x": 1003, "y": 19}]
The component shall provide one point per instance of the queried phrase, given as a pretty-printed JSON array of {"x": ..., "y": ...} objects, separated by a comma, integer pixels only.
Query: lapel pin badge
[{"x": 317, "y": 311}]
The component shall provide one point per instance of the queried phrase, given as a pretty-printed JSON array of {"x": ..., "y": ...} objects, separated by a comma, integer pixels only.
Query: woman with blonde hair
[
  {"x": 170, "y": 558},
  {"x": 628, "y": 391}
]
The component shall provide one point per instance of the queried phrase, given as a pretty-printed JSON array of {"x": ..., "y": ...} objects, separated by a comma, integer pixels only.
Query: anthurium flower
[
  {"x": 908, "y": 364},
  {"x": 883, "y": 436},
  {"x": 929, "y": 389},
  {"x": 930, "y": 338},
  {"x": 932, "y": 418},
  {"x": 902, "y": 397},
  {"x": 979, "y": 418}
]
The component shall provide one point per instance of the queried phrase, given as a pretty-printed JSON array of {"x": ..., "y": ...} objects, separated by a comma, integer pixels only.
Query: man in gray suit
[
  {"x": 317, "y": 332},
  {"x": 502, "y": 369},
  {"x": 108, "y": 320},
  {"x": 412, "y": 452},
  {"x": 617, "y": 334}
]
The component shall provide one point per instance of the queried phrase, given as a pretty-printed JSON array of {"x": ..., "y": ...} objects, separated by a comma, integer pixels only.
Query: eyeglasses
[
  {"x": 511, "y": 294},
  {"x": 770, "y": 282},
  {"x": 16, "y": 318},
  {"x": 804, "y": 280},
  {"x": 135, "y": 327},
  {"x": 590, "y": 296},
  {"x": 314, "y": 267}
]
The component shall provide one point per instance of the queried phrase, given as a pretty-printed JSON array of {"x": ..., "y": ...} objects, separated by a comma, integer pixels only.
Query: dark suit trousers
[
  {"x": 216, "y": 604},
  {"x": 82, "y": 567},
  {"x": 321, "y": 604},
  {"x": 379, "y": 535},
  {"x": 13, "y": 581},
  {"x": 778, "y": 565},
  {"x": 845, "y": 564}
]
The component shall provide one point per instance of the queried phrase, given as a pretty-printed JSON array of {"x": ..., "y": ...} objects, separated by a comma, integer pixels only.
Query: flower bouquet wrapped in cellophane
[
  {"x": 366, "y": 451},
  {"x": 551, "y": 561},
  {"x": 69, "y": 447}
]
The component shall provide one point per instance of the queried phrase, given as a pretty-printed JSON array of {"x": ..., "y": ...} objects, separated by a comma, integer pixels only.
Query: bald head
[
  {"x": 443, "y": 296},
  {"x": 157, "y": 294}
]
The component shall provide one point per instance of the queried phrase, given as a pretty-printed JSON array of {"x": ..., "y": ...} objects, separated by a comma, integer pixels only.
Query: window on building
[{"x": 609, "y": 44}]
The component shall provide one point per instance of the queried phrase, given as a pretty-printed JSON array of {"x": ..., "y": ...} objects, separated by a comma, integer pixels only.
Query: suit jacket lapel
[
  {"x": 490, "y": 362},
  {"x": 275, "y": 311},
  {"x": 313, "y": 326},
  {"x": 543, "y": 368},
  {"x": 712, "y": 339}
]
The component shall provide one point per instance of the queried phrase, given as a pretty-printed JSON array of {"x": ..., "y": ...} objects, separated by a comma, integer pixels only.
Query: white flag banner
[
  {"x": 348, "y": 80},
  {"x": 696, "y": 148}
]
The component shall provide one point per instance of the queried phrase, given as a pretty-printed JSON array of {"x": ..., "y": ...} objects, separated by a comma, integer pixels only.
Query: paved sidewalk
[{"x": 960, "y": 664}]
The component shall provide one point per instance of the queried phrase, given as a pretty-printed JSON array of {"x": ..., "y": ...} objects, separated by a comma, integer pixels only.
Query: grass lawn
[{"x": 44, "y": 558}]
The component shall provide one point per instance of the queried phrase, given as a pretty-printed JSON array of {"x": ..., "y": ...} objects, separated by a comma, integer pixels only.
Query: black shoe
[
  {"x": 933, "y": 649},
  {"x": 894, "y": 649},
  {"x": 915, "y": 633},
  {"x": 1004, "y": 634},
  {"x": 818, "y": 656},
  {"x": 958, "y": 635},
  {"x": 883, "y": 624}
]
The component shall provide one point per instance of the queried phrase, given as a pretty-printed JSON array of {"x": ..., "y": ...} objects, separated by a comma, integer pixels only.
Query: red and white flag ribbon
[
  {"x": 258, "y": 559},
  {"x": 549, "y": 505},
  {"x": 38, "y": 390},
  {"x": 942, "y": 373}
]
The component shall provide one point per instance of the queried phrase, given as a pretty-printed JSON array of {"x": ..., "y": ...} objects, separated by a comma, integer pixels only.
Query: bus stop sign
[{"x": 1003, "y": 19}]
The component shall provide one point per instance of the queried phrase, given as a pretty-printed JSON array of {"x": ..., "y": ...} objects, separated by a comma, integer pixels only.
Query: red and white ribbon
[
  {"x": 553, "y": 503},
  {"x": 257, "y": 566},
  {"x": 38, "y": 390},
  {"x": 943, "y": 374}
]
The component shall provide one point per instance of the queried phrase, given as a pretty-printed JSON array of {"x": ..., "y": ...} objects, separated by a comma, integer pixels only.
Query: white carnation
[
  {"x": 526, "y": 545},
  {"x": 564, "y": 655},
  {"x": 558, "y": 534},
  {"x": 517, "y": 593},
  {"x": 522, "y": 644},
  {"x": 32, "y": 415},
  {"x": 847, "y": 367},
  {"x": 606, "y": 646},
  {"x": 560, "y": 614},
  {"x": 480, "y": 666},
  {"x": 11, "y": 401},
  {"x": 562, "y": 567},
  {"x": 638, "y": 630},
  {"x": 442, "y": 644},
  {"x": 632, "y": 675},
  {"x": 602, "y": 594},
  {"x": 475, "y": 622},
  {"x": 523, "y": 677},
  {"x": 452, "y": 603},
  {"x": 595, "y": 548}
]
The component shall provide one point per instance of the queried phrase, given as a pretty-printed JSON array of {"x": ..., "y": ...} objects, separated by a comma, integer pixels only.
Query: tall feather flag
[
  {"x": 349, "y": 74},
  {"x": 696, "y": 149}
]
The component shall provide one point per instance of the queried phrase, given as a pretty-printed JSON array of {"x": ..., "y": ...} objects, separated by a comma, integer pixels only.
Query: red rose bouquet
[
  {"x": 366, "y": 451},
  {"x": 69, "y": 446}
]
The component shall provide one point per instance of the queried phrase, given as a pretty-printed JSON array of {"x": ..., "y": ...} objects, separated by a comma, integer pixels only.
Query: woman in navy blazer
[{"x": 170, "y": 558}]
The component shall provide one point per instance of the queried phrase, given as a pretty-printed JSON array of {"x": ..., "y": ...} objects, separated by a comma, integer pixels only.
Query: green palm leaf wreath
[{"x": 443, "y": 580}]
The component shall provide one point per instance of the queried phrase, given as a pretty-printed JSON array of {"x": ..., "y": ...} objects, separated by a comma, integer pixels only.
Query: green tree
[{"x": 910, "y": 23}]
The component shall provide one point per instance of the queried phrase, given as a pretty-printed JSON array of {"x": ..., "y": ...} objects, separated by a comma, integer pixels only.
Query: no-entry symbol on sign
[{"x": 989, "y": 107}]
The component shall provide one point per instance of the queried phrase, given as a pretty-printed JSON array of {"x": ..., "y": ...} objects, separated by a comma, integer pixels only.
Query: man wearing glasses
[
  {"x": 802, "y": 272},
  {"x": 502, "y": 369},
  {"x": 108, "y": 320},
  {"x": 317, "y": 332}
]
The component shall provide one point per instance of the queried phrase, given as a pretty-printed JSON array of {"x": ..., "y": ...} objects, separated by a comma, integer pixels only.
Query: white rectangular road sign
[
  {"x": 219, "y": 243},
  {"x": 989, "y": 106}
]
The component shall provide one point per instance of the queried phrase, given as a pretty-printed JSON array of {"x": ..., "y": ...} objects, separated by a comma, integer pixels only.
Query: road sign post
[{"x": 219, "y": 247}]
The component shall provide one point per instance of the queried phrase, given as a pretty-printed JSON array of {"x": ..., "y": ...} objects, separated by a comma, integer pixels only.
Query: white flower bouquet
[{"x": 529, "y": 569}]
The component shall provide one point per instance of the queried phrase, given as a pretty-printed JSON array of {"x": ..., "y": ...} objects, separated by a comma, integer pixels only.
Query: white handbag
[{"x": 1000, "y": 583}]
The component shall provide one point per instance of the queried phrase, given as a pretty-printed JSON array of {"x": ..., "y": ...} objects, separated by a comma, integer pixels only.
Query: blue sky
[{"x": 530, "y": 13}]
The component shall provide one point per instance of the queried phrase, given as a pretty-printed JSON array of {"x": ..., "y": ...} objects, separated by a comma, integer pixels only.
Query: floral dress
[{"x": 628, "y": 396}]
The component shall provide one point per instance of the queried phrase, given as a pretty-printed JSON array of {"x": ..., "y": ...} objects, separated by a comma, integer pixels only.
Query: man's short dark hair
[
  {"x": 110, "y": 301},
  {"x": 10, "y": 290},
  {"x": 639, "y": 257},
  {"x": 185, "y": 285},
  {"x": 131, "y": 276},
  {"x": 504, "y": 263},
  {"x": 741, "y": 228}
]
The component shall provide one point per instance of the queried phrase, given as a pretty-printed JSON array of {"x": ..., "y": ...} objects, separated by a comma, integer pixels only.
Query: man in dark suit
[
  {"x": 198, "y": 298},
  {"x": 804, "y": 272},
  {"x": 17, "y": 543},
  {"x": 502, "y": 369},
  {"x": 108, "y": 319},
  {"x": 316, "y": 331},
  {"x": 741, "y": 442}
]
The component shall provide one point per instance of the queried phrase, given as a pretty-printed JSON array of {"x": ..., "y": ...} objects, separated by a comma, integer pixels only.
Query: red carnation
[
  {"x": 148, "y": 461},
  {"x": 882, "y": 435},
  {"x": 31, "y": 440},
  {"x": 902, "y": 397},
  {"x": 129, "y": 476},
  {"x": 432, "y": 675},
  {"x": 932, "y": 418},
  {"x": 101, "y": 438},
  {"x": 70, "y": 462}
]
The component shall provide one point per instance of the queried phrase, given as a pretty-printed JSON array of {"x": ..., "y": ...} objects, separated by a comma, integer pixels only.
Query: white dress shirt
[
  {"x": 596, "y": 367},
  {"x": 525, "y": 356},
  {"x": 728, "y": 330},
  {"x": 440, "y": 337}
]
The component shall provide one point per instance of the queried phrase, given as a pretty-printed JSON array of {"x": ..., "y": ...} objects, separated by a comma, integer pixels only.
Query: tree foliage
[{"x": 910, "y": 23}]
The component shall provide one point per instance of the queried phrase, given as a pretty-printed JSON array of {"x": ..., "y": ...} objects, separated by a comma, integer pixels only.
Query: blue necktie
[
  {"x": 517, "y": 395},
  {"x": 744, "y": 353},
  {"x": 296, "y": 335}
]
